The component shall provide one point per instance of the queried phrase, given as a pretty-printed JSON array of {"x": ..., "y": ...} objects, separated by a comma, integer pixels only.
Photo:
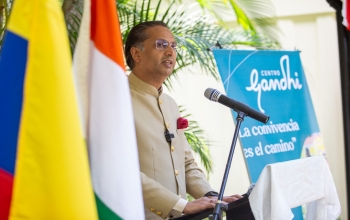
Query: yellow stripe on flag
[
  {"x": 21, "y": 26},
  {"x": 52, "y": 179}
]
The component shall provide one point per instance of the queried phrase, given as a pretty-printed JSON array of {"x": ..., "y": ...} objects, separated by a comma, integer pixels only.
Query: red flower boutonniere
[{"x": 182, "y": 123}]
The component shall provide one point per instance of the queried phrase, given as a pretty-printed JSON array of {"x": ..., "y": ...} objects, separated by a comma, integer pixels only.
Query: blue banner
[{"x": 274, "y": 83}]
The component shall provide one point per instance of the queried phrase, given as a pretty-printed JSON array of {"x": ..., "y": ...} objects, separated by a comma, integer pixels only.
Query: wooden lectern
[{"x": 237, "y": 210}]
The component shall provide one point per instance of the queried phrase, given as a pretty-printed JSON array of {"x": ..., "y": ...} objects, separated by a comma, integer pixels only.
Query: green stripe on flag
[{"x": 104, "y": 212}]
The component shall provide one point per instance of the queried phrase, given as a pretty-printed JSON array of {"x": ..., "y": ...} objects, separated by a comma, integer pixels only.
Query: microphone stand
[{"x": 220, "y": 206}]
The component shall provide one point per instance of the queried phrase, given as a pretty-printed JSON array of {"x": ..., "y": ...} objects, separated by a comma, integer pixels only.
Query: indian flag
[
  {"x": 44, "y": 168},
  {"x": 106, "y": 110}
]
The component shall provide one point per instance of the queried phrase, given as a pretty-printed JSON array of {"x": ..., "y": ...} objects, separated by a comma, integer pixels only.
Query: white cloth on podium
[{"x": 286, "y": 185}]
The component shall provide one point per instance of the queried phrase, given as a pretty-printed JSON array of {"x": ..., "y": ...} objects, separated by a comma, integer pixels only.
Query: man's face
[{"x": 154, "y": 61}]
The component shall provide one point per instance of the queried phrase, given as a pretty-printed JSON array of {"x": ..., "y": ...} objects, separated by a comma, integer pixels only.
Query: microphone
[{"x": 216, "y": 96}]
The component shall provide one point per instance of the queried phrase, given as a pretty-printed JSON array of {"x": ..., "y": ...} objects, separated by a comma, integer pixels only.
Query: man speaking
[{"x": 168, "y": 169}]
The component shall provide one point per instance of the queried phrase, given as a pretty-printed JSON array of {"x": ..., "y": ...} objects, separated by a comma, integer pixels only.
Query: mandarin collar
[{"x": 145, "y": 87}]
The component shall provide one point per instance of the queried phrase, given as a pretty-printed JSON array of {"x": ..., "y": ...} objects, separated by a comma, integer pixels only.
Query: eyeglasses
[{"x": 163, "y": 44}]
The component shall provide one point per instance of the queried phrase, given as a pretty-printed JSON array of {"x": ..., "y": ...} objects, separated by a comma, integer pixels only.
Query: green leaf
[{"x": 196, "y": 140}]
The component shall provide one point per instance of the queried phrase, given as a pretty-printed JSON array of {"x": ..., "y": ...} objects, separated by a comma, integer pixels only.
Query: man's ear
[{"x": 135, "y": 53}]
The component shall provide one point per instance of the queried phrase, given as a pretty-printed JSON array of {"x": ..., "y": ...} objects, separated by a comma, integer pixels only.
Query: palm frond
[
  {"x": 5, "y": 8},
  {"x": 242, "y": 18},
  {"x": 254, "y": 16},
  {"x": 73, "y": 20},
  {"x": 262, "y": 16}
]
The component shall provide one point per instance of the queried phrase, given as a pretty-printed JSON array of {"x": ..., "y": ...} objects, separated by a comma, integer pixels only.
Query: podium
[
  {"x": 237, "y": 210},
  {"x": 286, "y": 185}
]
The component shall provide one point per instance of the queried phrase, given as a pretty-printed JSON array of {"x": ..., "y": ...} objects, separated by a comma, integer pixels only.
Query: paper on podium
[{"x": 286, "y": 185}]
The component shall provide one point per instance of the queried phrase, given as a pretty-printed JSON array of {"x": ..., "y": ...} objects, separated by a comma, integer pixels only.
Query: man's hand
[
  {"x": 227, "y": 199},
  {"x": 200, "y": 205},
  {"x": 232, "y": 198},
  {"x": 207, "y": 203}
]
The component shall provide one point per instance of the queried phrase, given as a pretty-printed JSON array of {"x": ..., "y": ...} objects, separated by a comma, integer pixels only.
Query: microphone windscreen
[{"x": 212, "y": 94}]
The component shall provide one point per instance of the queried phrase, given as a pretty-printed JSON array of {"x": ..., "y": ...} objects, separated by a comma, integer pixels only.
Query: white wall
[{"x": 309, "y": 26}]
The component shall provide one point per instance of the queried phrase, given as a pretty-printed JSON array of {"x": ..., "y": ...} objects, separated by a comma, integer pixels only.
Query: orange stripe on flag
[{"x": 107, "y": 35}]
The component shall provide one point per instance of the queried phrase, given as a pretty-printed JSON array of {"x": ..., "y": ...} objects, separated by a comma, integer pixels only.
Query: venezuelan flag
[{"x": 44, "y": 169}]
